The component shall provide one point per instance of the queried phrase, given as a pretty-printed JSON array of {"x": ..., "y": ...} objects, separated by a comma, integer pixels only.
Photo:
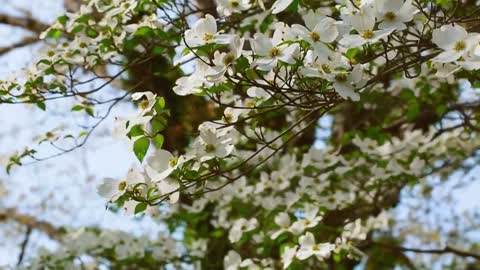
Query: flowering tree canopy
[{"x": 234, "y": 97}]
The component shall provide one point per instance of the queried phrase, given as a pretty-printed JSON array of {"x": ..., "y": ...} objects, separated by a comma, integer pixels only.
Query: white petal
[
  {"x": 280, "y": 5},
  {"x": 447, "y": 56},
  {"x": 282, "y": 219},
  {"x": 261, "y": 44},
  {"x": 138, "y": 95},
  {"x": 327, "y": 29},
  {"x": 168, "y": 186},
  {"x": 307, "y": 240},
  {"x": 392, "y": 5},
  {"x": 232, "y": 260},
  {"x": 303, "y": 254},
  {"x": 207, "y": 25},
  {"x": 289, "y": 53},
  {"x": 224, "y": 39},
  {"x": 351, "y": 41},
  {"x": 446, "y": 36},
  {"x": 107, "y": 188},
  {"x": 363, "y": 20},
  {"x": 159, "y": 161},
  {"x": 257, "y": 92},
  {"x": 346, "y": 91}
]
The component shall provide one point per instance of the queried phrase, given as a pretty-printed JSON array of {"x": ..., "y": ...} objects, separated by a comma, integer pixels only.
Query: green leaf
[
  {"x": 54, "y": 33},
  {"x": 143, "y": 31},
  {"x": 91, "y": 33},
  {"x": 351, "y": 53},
  {"x": 140, "y": 207},
  {"x": 63, "y": 20},
  {"x": 441, "y": 109},
  {"x": 157, "y": 50},
  {"x": 41, "y": 105},
  {"x": 158, "y": 141},
  {"x": 83, "y": 133},
  {"x": 89, "y": 110},
  {"x": 217, "y": 233},
  {"x": 159, "y": 123},
  {"x": 160, "y": 104},
  {"x": 77, "y": 108},
  {"x": 412, "y": 110},
  {"x": 77, "y": 29},
  {"x": 136, "y": 131},
  {"x": 293, "y": 7},
  {"x": 140, "y": 148}
]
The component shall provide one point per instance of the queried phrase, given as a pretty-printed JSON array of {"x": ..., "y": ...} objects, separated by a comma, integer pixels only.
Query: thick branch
[
  {"x": 446, "y": 249},
  {"x": 27, "y": 23},
  {"x": 24, "y": 42},
  {"x": 29, "y": 221}
]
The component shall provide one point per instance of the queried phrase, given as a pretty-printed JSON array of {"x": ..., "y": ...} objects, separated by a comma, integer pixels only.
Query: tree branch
[
  {"x": 29, "y": 221},
  {"x": 29, "y": 23},
  {"x": 446, "y": 249},
  {"x": 24, "y": 42},
  {"x": 24, "y": 245}
]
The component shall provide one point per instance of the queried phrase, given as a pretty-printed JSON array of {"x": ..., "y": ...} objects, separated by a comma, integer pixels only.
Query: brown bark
[
  {"x": 28, "y": 23},
  {"x": 11, "y": 214}
]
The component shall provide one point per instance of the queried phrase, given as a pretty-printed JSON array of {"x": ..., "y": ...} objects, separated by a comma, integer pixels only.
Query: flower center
[
  {"x": 173, "y": 161},
  {"x": 460, "y": 46},
  {"x": 390, "y": 16},
  {"x": 326, "y": 69},
  {"x": 274, "y": 52},
  {"x": 228, "y": 117},
  {"x": 367, "y": 34},
  {"x": 250, "y": 103},
  {"x": 144, "y": 104},
  {"x": 208, "y": 37},
  {"x": 315, "y": 247},
  {"x": 209, "y": 148},
  {"x": 228, "y": 59},
  {"x": 314, "y": 36},
  {"x": 234, "y": 3},
  {"x": 341, "y": 77},
  {"x": 122, "y": 185}
]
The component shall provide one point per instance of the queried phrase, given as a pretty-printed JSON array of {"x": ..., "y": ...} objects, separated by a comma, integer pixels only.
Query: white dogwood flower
[
  {"x": 271, "y": 50},
  {"x": 193, "y": 83},
  {"x": 205, "y": 32},
  {"x": 311, "y": 220},
  {"x": 288, "y": 255},
  {"x": 309, "y": 248},
  {"x": 454, "y": 40},
  {"x": 162, "y": 164},
  {"x": 112, "y": 189},
  {"x": 228, "y": 7},
  {"x": 282, "y": 220},
  {"x": 393, "y": 14},
  {"x": 147, "y": 104},
  {"x": 363, "y": 21},
  {"x": 241, "y": 226},
  {"x": 212, "y": 142},
  {"x": 223, "y": 60},
  {"x": 345, "y": 83},
  {"x": 325, "y": 31},
  {"x": 232, "y": 261}
]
